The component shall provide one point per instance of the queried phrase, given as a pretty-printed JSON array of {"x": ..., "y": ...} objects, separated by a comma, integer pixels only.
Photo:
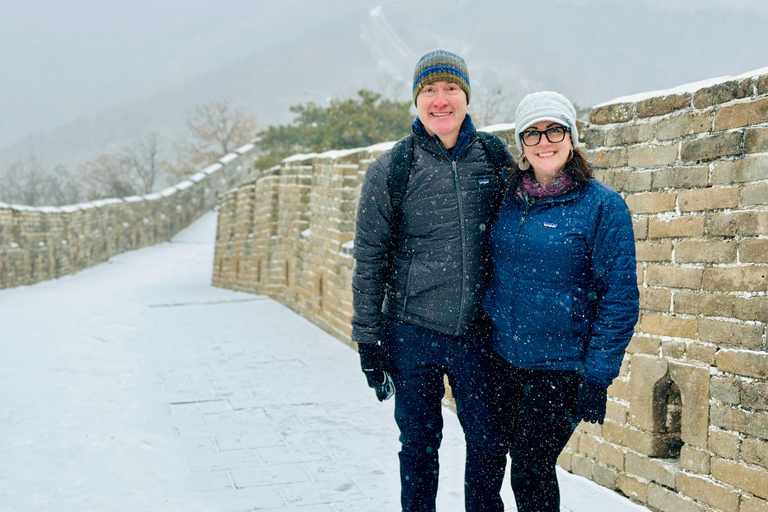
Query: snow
[
  {"x": 137, "y": 386},
  {"x": 682, "y": 89}
]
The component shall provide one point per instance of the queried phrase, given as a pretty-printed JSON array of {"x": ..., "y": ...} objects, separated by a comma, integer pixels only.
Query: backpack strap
[
  {"x": 399, "y": 173},
  {"x": 497, "y": 152}
]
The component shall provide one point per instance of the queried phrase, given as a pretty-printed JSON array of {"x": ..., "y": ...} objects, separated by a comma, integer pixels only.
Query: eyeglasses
[{"x": 554, "y": 134}]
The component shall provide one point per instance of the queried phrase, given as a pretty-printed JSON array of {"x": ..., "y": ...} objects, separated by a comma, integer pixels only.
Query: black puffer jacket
[{"x": 435, "y": 273}]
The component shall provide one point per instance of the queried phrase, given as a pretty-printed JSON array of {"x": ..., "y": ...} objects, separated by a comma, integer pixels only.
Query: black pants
[
  {"x": 535, "y": 410},
  {"x": 420, "y": 358}
]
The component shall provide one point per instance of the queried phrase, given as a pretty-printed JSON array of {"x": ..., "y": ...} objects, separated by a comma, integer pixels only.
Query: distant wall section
[
  {"x": 37, "y": 244},
  {"x": 687, "y": 423}
]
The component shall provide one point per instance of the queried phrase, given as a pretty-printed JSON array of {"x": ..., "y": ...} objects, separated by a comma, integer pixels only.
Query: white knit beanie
[{"x": 545, "y": 106}]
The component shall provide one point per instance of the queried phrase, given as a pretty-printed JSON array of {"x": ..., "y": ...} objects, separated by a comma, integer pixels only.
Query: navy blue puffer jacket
[{"x": 564, "y": 294}]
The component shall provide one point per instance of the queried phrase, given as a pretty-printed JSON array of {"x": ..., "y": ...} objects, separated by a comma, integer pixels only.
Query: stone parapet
[{"x": 37, "y": 244}]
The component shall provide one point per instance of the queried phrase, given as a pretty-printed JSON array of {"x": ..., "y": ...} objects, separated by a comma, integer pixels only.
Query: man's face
[{"x": 442, "y": 107}]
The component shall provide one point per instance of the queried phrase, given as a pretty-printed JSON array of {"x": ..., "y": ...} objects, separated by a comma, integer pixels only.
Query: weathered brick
[
  {"x": 755, "y": 451},
  {"x": 592, "y": 137},
  {"x": 725, "y": 389},
  {"x": 619, "y": 389},
  {"x": 681, "y": 177},
  {"x": 641, "y": 344},
  {"x": 640, "y": 227},
  {"x": 751, "y": 168},
  {"x": 755, "y": 396},
  {"x": 737, "y": 223},
  {"x": 748, "y": 279},
  {"x": 673, "y": 349},
  {"x": 722, "y": 497},
  {"x": 674, "y": 277},
  {"x": 702, "y": 352},
  {"x": 686, "y": 226},
  {"x": 753, "y": 251},
  {"x": 743, "y": 362},
  {"x": 629, "y": 134},
  {"x": 654, "y": 251},
  {"x": 741, "y": 476},
  {"x": 756, "y": 193},
  {"x": 633, "y": 487},
  {"x": 724, "y": 444},
  {"x": 699, "y": 303},
  {"x": 655, "y": 299},
  {"x": 605, "y": 476},
  {"x": 756, "y": 140},
  {"x": 722, "y": 93},
  {"x": 708, "y": 199},
  {"x": 581, "y": 465},
  {"x": 666, "y": 325},
  {"x": 665, "y": 500},
  {"x": 652, "y": 445},
  {"x": 652, "y": 156},
  {"x": 614, "y": 113},
  {"x": 627, "y": 181},
  {"x": 761, "y": 82},
  {"x": 651, "y": 202},
  {"x": 695, "y": 460},
  {"x": 752, "y": 504},
  {"x": 711, "y": 251},
  {"x": 687, "y": 123},
  {"x": 754, "y": 308},
  {"x": 654, "y": 470},
  {"x": 616, "y": 412},
  {"x": 711, "y": 147},
  {"x": 742, "y": 114},
  {"x": 607, "y": 158},
  {"x": 660, "y": 105},
  {"x": 731, "y": 333}
]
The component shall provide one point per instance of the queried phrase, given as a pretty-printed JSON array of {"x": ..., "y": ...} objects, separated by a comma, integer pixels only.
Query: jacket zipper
[{"x": 462, "y": 224}]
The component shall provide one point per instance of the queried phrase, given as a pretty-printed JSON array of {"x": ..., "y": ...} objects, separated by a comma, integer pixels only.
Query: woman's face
[{"x": 547, "y": 158}]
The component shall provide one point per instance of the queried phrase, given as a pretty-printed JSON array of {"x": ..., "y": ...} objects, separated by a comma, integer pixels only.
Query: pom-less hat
[
  {"x": 545, "y": 106},
  {"x": 440, "y": 66}
]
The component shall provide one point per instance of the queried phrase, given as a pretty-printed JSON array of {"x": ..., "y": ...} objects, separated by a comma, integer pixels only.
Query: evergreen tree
[{"x": 344, "y": 124}]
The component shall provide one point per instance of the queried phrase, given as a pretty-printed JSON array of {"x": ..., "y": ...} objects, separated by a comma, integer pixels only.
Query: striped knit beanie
[{"x": 440, "y": 66}]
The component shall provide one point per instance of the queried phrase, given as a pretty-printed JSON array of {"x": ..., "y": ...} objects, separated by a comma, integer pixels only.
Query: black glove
[
  {"x": 590, "y": 403},
  {"x": 373, "y": 361}
]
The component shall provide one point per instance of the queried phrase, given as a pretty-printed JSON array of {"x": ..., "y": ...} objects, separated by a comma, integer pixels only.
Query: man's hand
[
  {"x": 374, "y": 365},
  {"x": 590, "y": 404}
]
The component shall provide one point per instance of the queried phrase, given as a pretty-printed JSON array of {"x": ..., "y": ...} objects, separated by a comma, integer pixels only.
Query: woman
[{"x": 564, "y": 298}]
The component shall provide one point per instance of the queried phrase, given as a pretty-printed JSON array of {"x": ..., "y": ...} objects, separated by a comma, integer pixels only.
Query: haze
[{"x": 84, "y": 77}]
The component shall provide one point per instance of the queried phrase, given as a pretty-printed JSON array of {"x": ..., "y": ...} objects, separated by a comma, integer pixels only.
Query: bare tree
[
  {"x": 143, "y": 159},
  {"x": 222, "y": 126},
  {"x": 63, "y": 187},
  {"x": 492, "y": 105},
  {"x": 24, "y": 181},
  {"x": 107, "y": 176},
  {"x": 218, "y": 127}
]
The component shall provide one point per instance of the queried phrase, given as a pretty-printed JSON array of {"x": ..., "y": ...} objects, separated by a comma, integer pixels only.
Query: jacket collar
[{"x": 466, "y": 136}]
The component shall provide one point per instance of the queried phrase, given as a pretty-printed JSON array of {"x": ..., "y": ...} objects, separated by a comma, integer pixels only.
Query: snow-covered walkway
[{"x": 136, "y": 386}]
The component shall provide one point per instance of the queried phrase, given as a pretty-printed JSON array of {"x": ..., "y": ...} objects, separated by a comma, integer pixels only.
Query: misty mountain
[{"x": 109, "y": 82}]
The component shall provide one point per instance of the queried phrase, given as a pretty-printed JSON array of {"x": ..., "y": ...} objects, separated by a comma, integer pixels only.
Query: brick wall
[
  {"x": 687, "y": 423},
  {"x": 37, "y": 244}
]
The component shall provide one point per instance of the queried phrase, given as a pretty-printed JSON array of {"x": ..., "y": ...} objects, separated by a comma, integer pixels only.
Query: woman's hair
[{"x": 577, "y": 167}]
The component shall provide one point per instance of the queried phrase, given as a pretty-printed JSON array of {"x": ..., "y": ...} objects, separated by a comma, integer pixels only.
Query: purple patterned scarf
[{"x": 554, "y": 188}]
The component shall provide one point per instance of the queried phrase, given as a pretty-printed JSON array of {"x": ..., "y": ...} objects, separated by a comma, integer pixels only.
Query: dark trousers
[
  {"x": 420, "y": 357},
  {"x": 536, "y": 414}
]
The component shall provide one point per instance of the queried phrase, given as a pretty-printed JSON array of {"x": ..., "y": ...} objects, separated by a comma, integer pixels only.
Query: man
[{"x": 422, "y": 269}]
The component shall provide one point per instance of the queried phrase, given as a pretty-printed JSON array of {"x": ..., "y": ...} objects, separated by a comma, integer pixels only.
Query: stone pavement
[{"x": 137, "y": 386}]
